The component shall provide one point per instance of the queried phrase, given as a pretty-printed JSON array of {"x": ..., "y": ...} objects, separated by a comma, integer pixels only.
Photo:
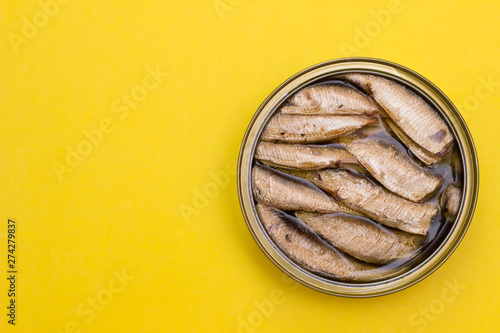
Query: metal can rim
[{"x": 447, "y": 110}]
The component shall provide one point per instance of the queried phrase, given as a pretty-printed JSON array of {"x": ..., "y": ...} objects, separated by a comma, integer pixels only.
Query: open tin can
[{"x": 449, "y": 237}]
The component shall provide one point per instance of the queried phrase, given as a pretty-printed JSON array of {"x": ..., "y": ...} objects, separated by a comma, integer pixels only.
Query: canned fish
[{"x": 357, "y": 177}]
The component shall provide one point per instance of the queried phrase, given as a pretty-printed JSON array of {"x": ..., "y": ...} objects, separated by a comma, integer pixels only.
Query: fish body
[
  {"x": 451, "y": 197},
  {"x": 411, "y": 113},
  {"x": 309, "y": 129},
  {"x": 300, "y": 157},
  {"x": 359, "y": 237},
  {"x": 311, "y": 252},
  {"x": 422, "y": 154},
  {"x": 331, "y": 99},
  {"x": 364, "y": 132},
  {"x": 282, "y": 192},
  {"x": 363, "y": 195},
  {"x": 393, "y": 169}
]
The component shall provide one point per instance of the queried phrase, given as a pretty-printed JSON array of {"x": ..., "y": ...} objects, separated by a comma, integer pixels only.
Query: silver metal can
[{"x": 449, "y": 113}]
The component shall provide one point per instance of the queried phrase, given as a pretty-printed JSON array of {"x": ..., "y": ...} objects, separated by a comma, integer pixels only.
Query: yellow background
[{"x": 122, "y": 207}]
